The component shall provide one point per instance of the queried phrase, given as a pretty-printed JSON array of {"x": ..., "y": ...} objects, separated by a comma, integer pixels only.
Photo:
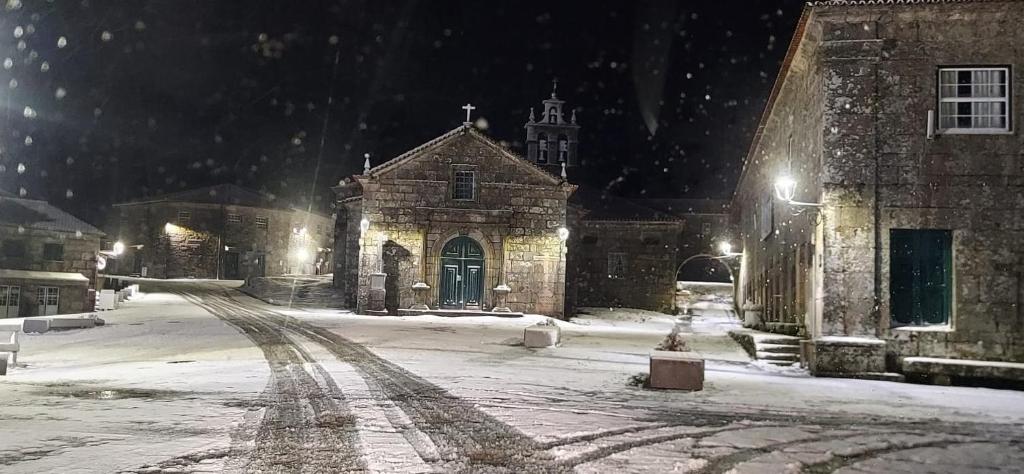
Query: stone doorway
[{"x": 462, "y": 274}]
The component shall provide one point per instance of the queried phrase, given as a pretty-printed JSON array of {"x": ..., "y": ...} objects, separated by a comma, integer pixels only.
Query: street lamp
[
  {"x": 726, "y": 248},
  {"x": 563, "y": 234},
  {"x": 118, "y": 248},
  {"x": 364, "y": 225},
  {"x": 785, "y": 190}
]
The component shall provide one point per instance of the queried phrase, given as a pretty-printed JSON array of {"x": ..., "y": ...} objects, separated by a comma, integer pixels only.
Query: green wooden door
[
  {"x": 920, "y": 276},
  {"x": 462, "y": 274}
]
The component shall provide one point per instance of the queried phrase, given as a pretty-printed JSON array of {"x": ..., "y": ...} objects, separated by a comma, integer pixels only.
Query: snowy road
[{"x": 248, "y": 387}]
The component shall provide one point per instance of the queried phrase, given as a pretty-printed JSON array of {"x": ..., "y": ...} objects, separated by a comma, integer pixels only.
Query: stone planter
[
  {"x": 421, "y": 291},
  {"x": 541, "y": 335},
  {"x": 677, "y": 370},
  {"x": 500, "y": 298},
  {"x": 377, "y": 293},
  {"x": 752, "y": 315}
]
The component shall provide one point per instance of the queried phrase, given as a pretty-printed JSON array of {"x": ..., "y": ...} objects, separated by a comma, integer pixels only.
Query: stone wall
[
  {"x": 79, "y": 251},
  {"x": 291, "y": 242},
  {"x": 650, "y": 252},
  {"x": 868, "y": 77},
  {"x": 514, "y": 216}
]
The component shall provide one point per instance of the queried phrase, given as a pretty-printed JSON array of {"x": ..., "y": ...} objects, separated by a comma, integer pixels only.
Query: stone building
[
  {"x": 623, "y": 253},
  {"x": 47, "y": 259},
  {"x": 460, "y": 220},
  {"x": 222, "y": 231},
  {"x": 881, "y": 205},
  {"x": 707, "y": 226}
]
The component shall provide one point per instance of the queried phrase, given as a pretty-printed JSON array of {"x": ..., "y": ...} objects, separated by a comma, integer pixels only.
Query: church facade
[{"x": 458, "y": 223}]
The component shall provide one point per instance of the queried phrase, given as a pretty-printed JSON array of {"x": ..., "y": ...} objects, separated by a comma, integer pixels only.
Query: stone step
[
  {"x": 779, "y": 348},
  {"x": 781, "y": 363},
  {"x": 773, "y": 356},
  {"x": 778, "y": 340}
]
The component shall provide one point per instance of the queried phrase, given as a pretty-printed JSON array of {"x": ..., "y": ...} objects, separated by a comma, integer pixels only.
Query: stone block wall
[
  {"x": 651, "y": 252},
  {"x": 79, "y": 251}
]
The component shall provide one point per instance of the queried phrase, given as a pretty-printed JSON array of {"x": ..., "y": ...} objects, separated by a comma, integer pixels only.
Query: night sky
[{"x": 145, "y": 97}]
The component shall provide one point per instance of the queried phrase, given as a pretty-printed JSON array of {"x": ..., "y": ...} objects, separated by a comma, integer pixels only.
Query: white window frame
[{"x": 1006, "y": 100}]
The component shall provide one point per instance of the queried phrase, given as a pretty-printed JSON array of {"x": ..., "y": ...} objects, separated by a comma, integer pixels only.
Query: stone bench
[
  {"x": 9, "y": 347},
  {"x": 943, "y": 371},
  {"x": 540, "y": 336},
  {"x": 677, "y": 370}
]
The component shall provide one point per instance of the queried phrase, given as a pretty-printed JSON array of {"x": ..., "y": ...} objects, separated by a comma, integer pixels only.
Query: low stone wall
[{"x": 312, "y": 291}]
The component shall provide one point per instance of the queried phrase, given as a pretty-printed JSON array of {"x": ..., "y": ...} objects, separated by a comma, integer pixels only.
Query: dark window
[
  {"x": 234, "y": 219},
  {"x": 921, "y": 276},
  {"x": 616, "y": 265},
  {"x": 54, "y": 252},
  {"x": 648, "y": 240},
  {"x": 184, "y": 217},
  {"x": 462, "y": 187},
  {"x": 589, "y": 240},
  {"x": 262, "y": 222},
  {"x": 14, "y": 248}
]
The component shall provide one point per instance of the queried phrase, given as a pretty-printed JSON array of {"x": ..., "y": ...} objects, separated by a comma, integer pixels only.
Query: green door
[
  {"x": 920, "y": 276},
  {"x": 462, "y": 274}
]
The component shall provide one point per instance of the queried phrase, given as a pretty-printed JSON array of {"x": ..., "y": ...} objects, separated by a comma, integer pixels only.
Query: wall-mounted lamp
[
  {"x": 726, "y": 249},
  {"x": 563, "y": 234},
  {"x": 785, "y": 190},
  {"x": 364, "y": 225},
  {"x": 118, "y": 248}
]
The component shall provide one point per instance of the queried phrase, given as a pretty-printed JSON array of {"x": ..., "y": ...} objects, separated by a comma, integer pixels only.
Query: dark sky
[{"x": 146, "y": 97}]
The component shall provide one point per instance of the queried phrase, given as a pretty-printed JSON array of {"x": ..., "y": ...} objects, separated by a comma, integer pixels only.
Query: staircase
[{"x": 775, "y": 349}]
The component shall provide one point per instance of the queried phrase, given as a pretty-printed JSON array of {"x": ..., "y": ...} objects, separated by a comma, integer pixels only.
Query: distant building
[
  {"x": 896, "y": 242},
  {"x": 47, "y": 259},
  {"x": 223, "y": 231},
  {"x": 623, "y": 253}
]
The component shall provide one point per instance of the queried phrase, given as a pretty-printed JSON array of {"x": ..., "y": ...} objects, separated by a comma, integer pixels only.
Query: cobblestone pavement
[{"x": 334, "y": 406}]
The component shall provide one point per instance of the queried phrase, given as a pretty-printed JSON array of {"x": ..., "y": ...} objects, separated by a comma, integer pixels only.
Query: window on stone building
[
  {"x": 234, "y": 219},
  {"x": 705, "y": 229},
  {"x": 616, "y": 265},
  {"x": 184, "y": 217},
  {"x": 14, "y": 248},
  {"x": 542, "y": 148},
  {"x": 53, "y": 252},
  {"x": 463, "y": 186},
  {"x": 589, "y": 240},
  {"x": 974, "y": 100},
  {"x": 262, "y": 222}
]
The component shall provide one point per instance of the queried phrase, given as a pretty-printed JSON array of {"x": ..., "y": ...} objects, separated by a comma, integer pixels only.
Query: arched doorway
[
  {"x": 703, "y": 267},
  {"x": 462, "y": 274}
]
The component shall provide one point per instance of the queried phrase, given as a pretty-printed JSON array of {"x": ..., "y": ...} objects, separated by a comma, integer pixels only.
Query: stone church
[{"x": 459, "y": 223}]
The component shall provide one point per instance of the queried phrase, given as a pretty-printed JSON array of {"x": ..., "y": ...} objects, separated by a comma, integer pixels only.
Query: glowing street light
[
  {"x": 364, "y": 225},
  {"x": 785, "y": 188},
  {"x": 118, "y": 248},
  {"x": 725, "y": 247},
  {"x": 563, "y": 234}
]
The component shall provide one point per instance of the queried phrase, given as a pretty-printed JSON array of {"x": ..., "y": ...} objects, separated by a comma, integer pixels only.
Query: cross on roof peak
[
  {"x": 469, "y": 109},
  {"x": 554, "y": 87}
]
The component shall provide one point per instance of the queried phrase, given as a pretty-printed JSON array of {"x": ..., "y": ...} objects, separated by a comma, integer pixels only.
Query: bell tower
[{"x": 551, "y": 140}]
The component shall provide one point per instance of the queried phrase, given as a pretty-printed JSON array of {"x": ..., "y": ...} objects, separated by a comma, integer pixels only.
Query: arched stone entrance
[{"x": 461, "y": 284}]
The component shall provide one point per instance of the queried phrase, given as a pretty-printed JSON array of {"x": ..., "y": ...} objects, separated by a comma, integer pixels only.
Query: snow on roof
[
  {"x": 40, "y": 215},
  {"x": 221, "y": 194},
  {"x": 37, "y": 275}
]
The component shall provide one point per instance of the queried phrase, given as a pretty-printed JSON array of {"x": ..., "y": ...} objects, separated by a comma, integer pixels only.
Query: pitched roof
[
  {"x": 599, "y": 205},
  {"x": 455, "y": 132},
  {"x": 226, "y": 194},
  {"x": 40, "y": 215},
  {"x": 683, "y": 207}
]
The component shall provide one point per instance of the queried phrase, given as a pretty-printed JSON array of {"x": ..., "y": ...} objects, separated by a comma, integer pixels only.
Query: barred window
[
  {"x": 53, "y": 252},
  {"x": 616, "y": 265},
  {"x": 184, "y": 217},
  {"x": 262, "y": 222},
  {"x": 974, "y": 100},
  {"x": 234, "y": 219},
  {"x": 463, "y": 186}
]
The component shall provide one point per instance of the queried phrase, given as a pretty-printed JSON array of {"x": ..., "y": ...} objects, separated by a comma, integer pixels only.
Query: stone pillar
[
  {"x": 500, "y": 298},
  {"x": 421, "y": 291}
]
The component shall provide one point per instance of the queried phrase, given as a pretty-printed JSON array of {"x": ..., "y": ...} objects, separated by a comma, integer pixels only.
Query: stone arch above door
[{"x": 492, "y": 261}]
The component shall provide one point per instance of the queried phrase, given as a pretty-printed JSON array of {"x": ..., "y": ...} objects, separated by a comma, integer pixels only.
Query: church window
[
  {"x": 542, "y": 148},
  {"x": 616, "y": 264},
  {"x": 563, "y": 149},
  {"x": 463, "y": 186}
]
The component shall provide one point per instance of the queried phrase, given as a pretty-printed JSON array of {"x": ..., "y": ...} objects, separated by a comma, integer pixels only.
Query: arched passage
[{"x": 706, "y": 268}]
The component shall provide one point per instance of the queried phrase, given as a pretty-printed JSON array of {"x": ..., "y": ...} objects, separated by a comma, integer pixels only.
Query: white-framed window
[
  {"x": 463, "y": 186},
  {"x": 184, "y": 217},
  {"x": 262, "y": 222},
  {"x": 234, "y": 218},
  {"x": 616, "y": 264},
  {"x": 974, "y": 100}
]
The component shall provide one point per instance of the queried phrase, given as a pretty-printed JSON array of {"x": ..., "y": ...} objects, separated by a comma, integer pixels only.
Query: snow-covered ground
[{"x": 167, "y": 386}]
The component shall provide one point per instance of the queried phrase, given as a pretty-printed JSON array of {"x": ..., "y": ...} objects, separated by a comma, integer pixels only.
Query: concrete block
[
  {"x": 677, "y": 370},
  {"x": 13, "y": 326},
  {"x": 541, "y": 336},
  {"x": 33, "y": 325},
  {"x": 71, "y": 323},
  {"x": 839, "y": 355}
]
